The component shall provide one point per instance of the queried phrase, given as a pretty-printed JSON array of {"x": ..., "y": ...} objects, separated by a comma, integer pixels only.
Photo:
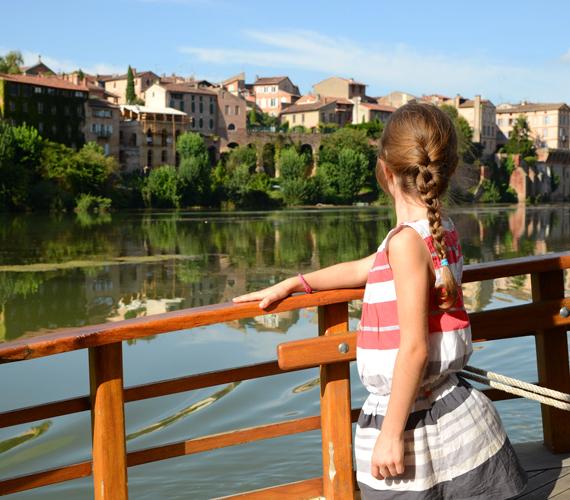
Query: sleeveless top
[{"x": 378, "y": 337}]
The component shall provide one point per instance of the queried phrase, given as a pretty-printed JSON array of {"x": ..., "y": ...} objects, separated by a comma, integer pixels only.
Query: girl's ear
[{"x": 384, "y": 176}]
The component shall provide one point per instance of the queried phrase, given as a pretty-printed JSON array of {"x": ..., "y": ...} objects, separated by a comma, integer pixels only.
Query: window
[
  {"x": 37, "y": 90},
  {"x": 79, "y": 94},
  {"x": 193, "y": 122},
  {"x": 24, "y": 107},
  {"x": 149, "y": 158},
  {"x": 201, "y": 123},
  {"x": 12, "y": 106},
  {"x": 211, "y": 107},
  {"x": 13, "y": 90},
  {"x": 54, "y": 129},
  {"x": 181, "y": 105},
  {"x": 544, "y": 132},
  {"x": 201, "y": 107},
  {"x": 193, "y": 105},
  {"x": 40, "y": 107},
  {"x": 40, "y": 127},
  {"x": 106, "y": 149},
  {"x": 546, "y": 119},
  {"x": 26, "y": 90},
  {"x": 294, "y": 118},
  {"x": 54, "y": 110},
  {"x": 163, "y": 156},
  {"x": 237, "y": 110},
  {"x": 273, "y": 103},
  {"x": 211, "y": 124},
  {"x": 265, "y": 89},
  {"x": 226, "y": 109},
  {"x": 50, "y": 91},
  {"x": 231, "y": 126},
  {"x": 273, "y": 89}
]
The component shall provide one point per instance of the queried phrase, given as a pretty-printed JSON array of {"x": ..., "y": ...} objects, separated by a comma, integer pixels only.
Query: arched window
[
  {"x": 231, "y": 126},
  {"x": 149, "y": 158}
]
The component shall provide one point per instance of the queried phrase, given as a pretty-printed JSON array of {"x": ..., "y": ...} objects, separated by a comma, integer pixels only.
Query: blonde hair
[{"x": 419, "y": 146}]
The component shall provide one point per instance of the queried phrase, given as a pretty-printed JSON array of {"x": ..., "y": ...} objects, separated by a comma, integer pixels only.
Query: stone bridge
[{"x": 264, "y": 142}]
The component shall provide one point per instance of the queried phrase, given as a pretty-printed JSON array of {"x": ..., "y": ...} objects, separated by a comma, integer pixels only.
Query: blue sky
[{"x": 506, "y": 50}]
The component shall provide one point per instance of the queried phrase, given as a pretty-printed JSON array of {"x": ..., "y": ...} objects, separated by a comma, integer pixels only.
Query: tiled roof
[
  {"x": 139, "y": 74},
  {"x": 532, "y": 106},
  {"x": 270, "y": 80},
  {"x": 186, "y": 88},
  {"x": 101, "y": 103},
  {"x": 303, "y": 108},
  {"x": 378, "y": 107},
  {"x": 44, "y": 81}
]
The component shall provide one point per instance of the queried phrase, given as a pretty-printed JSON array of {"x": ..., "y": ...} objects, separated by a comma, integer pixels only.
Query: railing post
[
  {"x": 336, "y": 426},
  {"x": 552, "y": 362},
  {"x": 108, "y": 422}
]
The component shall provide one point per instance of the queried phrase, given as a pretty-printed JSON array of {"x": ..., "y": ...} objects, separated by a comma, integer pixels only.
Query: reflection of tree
[{"x": 32, "y": 433}]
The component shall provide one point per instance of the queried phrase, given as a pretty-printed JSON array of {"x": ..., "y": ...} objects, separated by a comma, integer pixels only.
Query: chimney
[{"x": 457, "y": 101}]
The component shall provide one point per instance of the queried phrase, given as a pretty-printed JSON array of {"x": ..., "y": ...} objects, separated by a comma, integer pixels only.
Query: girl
[{"x": 423, "y": 432}]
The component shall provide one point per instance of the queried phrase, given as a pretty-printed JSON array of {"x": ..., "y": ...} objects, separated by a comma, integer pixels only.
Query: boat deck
[{"x": 549, "y": 474}]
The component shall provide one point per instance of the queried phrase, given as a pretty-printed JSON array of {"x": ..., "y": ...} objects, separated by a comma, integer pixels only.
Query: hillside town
[{"x": 138, "y": 116}]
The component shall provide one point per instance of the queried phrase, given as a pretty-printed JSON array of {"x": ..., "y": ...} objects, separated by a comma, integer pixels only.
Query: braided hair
[{"x": 419, "y": 146}]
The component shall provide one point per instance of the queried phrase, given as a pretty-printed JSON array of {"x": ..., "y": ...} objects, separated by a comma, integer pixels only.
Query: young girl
[{"x": 423, "y": 432}]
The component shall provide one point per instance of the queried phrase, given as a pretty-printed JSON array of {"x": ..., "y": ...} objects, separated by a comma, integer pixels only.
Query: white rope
[
  {"x": 519, "y": 383},
  {"x": 517, "y": 391}
]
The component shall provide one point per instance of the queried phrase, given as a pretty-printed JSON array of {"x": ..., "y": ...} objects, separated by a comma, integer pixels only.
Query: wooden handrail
[
  {"x": 72, "y": 339},
  {"x": 540, "y": 318}
]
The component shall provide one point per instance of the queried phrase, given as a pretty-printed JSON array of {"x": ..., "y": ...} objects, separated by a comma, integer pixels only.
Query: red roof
[
  {"x": 44, "y": 81},
  {"x": 378, "y": 107},
  {"x": 186, "y": 88}
]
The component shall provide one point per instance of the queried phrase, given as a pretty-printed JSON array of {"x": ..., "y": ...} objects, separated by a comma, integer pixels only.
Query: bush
[
  {"x": 344, "y": 180},
  {"x": 87, "y": 203},
  {"x": 491, "y": 192},
  {"x": 161, "y": 188}
]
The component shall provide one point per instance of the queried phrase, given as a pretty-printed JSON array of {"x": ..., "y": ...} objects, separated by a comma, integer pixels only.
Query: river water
[{"x": 64, "y": 271}]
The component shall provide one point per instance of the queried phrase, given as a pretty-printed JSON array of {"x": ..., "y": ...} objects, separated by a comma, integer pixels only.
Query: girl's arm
[
  {"x": 351, "y": 274},
  {"x": 413, "y": 276}
]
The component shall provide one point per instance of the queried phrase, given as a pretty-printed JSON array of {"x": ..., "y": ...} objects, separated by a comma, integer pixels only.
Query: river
[{"x": 64, "y": 271}]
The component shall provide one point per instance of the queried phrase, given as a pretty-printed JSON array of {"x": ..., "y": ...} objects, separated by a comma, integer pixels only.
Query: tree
[
  {"x": 294, "y": 183},
  {"x": 130, "y": 95},
  {"x": 161, "y": 188},
  {"x": 194, "y": 171},
  {"x": 466, "y": 149},
  {"x": 344, "y": 179},
  {"x": 519, "y": 141},
  {"x": 11, "y": 62}
]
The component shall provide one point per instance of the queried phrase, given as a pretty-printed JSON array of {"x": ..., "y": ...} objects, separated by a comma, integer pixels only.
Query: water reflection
[
  {"x": 58, "y": 271},
  {"x": 32, "y": 433}
]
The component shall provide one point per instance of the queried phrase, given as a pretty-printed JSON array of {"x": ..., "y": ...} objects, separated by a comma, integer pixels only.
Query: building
[
  {"x": 313, "y": 111},
  {"x": 336, "y": 86},
  {"x": 117, "y": 84},
  {"x": 232, "y": 117},
  {"x": 148, "y": 136},
  {"x": 102, "y": 120},
  {"x": 235, "y": 84},
  {"x": 55, "y": 107},
  {"x": 481, "y": 116},
  {"x": 396, "y": 99},
  {"x": 198, "y": 103},
  {"x": 363, "y": 111},
  {"x": 557, "y": 167},
  {"x": 38, "y": 69},
  {"x": 549, "y": 123},
  {"x": 274, "y": 94}
]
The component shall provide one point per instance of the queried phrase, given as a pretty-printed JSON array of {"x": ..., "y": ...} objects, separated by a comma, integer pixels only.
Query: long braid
[{"x": 427, "y": 184}]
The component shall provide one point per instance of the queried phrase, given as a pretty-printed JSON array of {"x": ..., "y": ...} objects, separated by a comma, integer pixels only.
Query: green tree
[
  {"x": 161, "y": 188},
  {"x": 373, "y": 129},
  {"x": 130, "y": 95},
  {"x": 344, "y": 179},
  {"x": 11, "y": 62},
  {"x": 467, "y": 150},
  {"x": 519, "y": 141},
  {"x": 194, "y": 170},
  {"x": 294, "y": 183}
]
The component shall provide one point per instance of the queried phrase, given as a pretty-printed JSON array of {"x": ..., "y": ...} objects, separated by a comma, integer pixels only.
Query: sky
[{"x": 505, "y": 50}]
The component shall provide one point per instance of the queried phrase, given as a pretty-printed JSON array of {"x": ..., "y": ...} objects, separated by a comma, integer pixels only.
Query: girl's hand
[
  {"x": 270, "y": 294},
  {"x": 388, "y": 456}
]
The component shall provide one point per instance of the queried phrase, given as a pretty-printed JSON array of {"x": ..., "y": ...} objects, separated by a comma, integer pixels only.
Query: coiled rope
[{"x": 527, "y": 390}]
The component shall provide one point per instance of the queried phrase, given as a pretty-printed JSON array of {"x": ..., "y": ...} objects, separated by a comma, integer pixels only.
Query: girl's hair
[{"x": 419, "y": 146}]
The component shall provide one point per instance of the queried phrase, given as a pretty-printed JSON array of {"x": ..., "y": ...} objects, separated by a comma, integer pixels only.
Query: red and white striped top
[{"x": 379, "y": 331}]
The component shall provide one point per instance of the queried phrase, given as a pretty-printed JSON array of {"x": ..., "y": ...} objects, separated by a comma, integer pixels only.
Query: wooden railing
[{"x": 333, "y": 350}]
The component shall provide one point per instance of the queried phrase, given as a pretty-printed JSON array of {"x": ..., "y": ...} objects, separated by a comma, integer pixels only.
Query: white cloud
[{"x": 387, "y": 68}]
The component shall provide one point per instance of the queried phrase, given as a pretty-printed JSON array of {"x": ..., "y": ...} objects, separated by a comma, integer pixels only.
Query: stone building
[
  {"x": 117, "y": 84},
  {"x": 198, "y": 103},
  {"x": 312, "y": 111},
  {"x": 232, "y": 117},
  {"x": 481, "y": 116},
  {"x": 363, "y": 111},
  {"x": 102, "y": 120},
  {"x": 549, "y": 123},
  {"x": 148, "y": 136},
  {"x": 274, "y": 94},
  {"x": 55, "y": 107},
  {"x": 336, "y": 86},
  {"x": 396, "y": 99}
]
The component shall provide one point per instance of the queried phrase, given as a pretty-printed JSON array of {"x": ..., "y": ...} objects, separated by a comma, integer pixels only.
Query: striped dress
[{"x": 455, "y": 444}]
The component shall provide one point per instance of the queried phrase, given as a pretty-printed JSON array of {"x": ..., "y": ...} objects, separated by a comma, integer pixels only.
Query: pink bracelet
[{"x": 306, "y": 286}]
